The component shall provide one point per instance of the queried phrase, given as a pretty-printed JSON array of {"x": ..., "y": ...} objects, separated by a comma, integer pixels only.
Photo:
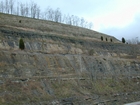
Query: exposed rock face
[
  {"x": 28, "y": 64},
  {"x": 57, "y": 69}
]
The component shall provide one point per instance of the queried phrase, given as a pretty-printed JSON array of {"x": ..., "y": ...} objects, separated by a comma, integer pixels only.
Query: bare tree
[
  {"x": 33, "y": 8},
  {"x": 69, "y": 20},
  {"x": 47, "y": 15},
  {"x": 34, "y": 11},
  {"x": 82, "y": 21},
  {"x": 17, "y": 9},
  {"x": 133, "y": 41},
  {"x": 11, "y": 5},
  {"x": 90, "y": 25},
  {"x": 77, "y": 20},
  {"x": 26, "y": 10},
  {"x": 38, "y": 12},
  {"x": 2, "y": 7},
  {"x": 57, "y": 15},
  {"x": 63, "y": 18},
  {"x": 44, "y": 14},
  {"x": 74, "y": 20},
  {"x": 22, "y": 9},
  {"x": 6, "y": 6},
  {"x": 50, "y": 14},
  {"x": 85, "y": 25}
]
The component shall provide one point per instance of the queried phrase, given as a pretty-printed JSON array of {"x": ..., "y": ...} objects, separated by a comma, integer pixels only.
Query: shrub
[
  {"x": 106, "y": 39},
  {"x": 101, "y": 38},
  {"x": 21, "y": 44},
  {"x": 123, "y": 40},
  {"x": 19, "y": 21},
  {"x": 110, "y": 40}
]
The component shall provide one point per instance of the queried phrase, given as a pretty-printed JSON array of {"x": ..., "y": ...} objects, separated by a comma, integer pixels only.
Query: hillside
[
  {"x": 64, "y": 65},
  {"x": 43, "y": 26}
]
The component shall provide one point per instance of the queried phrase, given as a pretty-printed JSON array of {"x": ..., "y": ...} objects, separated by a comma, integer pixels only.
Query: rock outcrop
[{"x": 64, "y": 65}]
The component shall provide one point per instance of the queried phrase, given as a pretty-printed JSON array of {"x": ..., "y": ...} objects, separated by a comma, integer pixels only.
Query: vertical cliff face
[{"x": 62, "y": 66}]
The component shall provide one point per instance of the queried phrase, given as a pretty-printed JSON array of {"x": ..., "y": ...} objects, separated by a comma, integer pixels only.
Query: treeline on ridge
[{"x": 34, "y": 11}]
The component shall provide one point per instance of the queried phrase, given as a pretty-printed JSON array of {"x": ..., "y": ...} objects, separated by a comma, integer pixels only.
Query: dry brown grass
[
  {"x": 33, "y": 91},
  {"x": 50, "y": 27}
]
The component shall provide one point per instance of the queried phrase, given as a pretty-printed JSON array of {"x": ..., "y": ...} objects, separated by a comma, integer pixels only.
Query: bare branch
[{"x": 11, "y": 5}]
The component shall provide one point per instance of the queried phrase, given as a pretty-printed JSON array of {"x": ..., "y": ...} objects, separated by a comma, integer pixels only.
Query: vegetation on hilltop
[
  {"x": 123, "y": 40},
  {"x": 34, "y": 11}
]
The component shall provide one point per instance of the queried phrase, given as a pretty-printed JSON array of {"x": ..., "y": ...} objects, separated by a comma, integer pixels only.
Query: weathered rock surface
[
  {"x": 28, "y": 64},
  {"x": 61, "y": 66}
]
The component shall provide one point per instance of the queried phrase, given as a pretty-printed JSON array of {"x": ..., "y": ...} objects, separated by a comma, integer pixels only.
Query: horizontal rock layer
[{"x": 64, "y": 65}]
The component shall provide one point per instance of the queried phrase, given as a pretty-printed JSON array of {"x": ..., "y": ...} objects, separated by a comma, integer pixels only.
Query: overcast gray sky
[{"x": 119, "y": 18}]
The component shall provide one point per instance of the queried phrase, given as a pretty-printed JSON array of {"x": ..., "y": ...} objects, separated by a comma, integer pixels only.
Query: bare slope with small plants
[
  {"x": 64, "y": 65},
  {"x": 44, "y": 26}
]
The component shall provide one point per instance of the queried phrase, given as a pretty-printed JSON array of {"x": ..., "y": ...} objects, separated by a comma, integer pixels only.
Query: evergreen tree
[
  {"x": 106, "y": 39},
  {"x": 21, "y": 44},
  {"x": 123, "y": 40},
  {"x": 111, "y": 40},
  {"x": 101, "y": 38}
]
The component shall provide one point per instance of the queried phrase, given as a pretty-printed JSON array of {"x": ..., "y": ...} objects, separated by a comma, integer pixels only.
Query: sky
[{"x": 118, "y": 18}]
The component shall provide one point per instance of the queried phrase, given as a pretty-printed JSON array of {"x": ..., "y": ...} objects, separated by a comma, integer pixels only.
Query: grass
[
  {"x": 33, "y": 91},
  {"x": 83, "y": 43},
  {"x": 49, "y": 26}
]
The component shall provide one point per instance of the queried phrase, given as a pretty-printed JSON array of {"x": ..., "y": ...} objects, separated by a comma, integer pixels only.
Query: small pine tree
[
  {"x": 21, "y": 44},
  {"x": 106, "y": 39},
  {"x": 111, "y": 40},
  {"x": 19, "y": 21},
  {"x": 101, "y": 38},
  {"x": 123, "y": 40}
]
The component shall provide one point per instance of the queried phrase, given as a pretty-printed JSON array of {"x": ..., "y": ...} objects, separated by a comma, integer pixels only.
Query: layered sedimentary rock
[{"x": 65, "y": 66}]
